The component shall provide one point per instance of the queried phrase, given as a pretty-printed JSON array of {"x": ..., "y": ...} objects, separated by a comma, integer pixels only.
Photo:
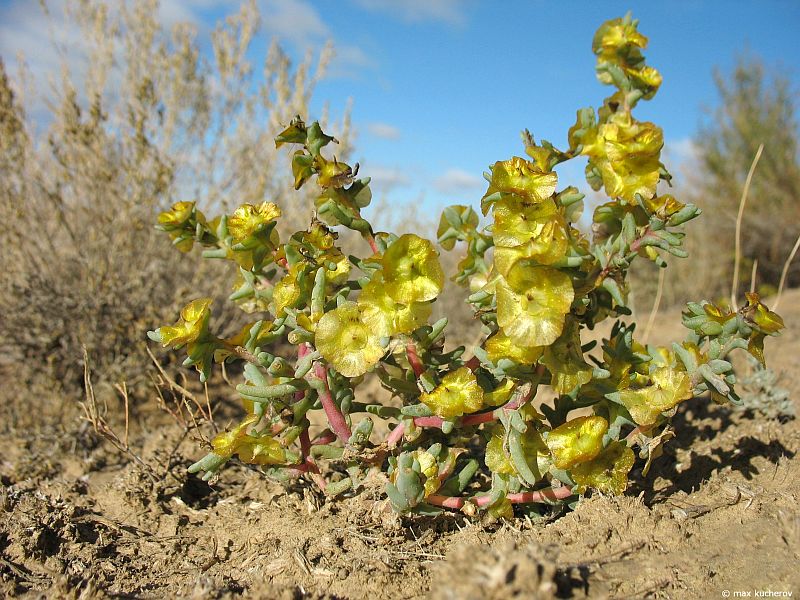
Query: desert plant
[
  {"x": 467, "y": 433},
  {"x": 149, "y": 122}
]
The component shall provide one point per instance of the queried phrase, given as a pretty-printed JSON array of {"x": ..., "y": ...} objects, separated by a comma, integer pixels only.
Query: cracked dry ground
[{"x": 717, "y": 512}]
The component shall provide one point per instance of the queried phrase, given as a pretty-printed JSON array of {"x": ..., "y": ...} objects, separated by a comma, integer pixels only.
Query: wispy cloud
[
  {"x": 385, "y": 178},
  {"x": 383, "y": 131},
  {"x": 678, "y": 153},
  {"x": 458, "y": 181},
  {"x": 450, "y": 12},
  {"x": 298, "y": 23}
]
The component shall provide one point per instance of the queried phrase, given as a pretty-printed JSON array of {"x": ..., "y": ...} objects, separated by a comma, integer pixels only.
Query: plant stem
[
  {"x": 546, "y": 495},
  {"x": 325, "y": 437},
  {"x": 397, "y": 433},
  {"x": 335, "y": 416},
  {"x": 413, "y": 359}
]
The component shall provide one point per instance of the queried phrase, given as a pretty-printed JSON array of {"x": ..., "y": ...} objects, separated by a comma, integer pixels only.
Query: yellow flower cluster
[
  {"x": 530, "y": 234},
  {"x": 395, "y": 301},
  {"x": 248, "y": 220}
]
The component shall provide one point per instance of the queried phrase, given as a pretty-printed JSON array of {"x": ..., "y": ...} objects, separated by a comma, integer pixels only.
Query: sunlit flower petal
[
  {"x": 498, "y": 460},
  {"x": 193, "y": 321},
  {"x": 532, "y": 304},
  {"x": 457, "y": 394},
  {"x": 501, "y": 346},
  {"x": 670, "y": 387},
  {"x": 608, "y": 472},
  {"x": 249, "y": 219},
  {"x": 347, "y": 342},
  {"x": 411, "y": 270},
  {"x": 564, "y": 359},
  {"x": 177, "y": 215},
  {"x": 577, "y": 441},
  {"x": 387, "y": 317},
  {"x": 521, "y": 178}
]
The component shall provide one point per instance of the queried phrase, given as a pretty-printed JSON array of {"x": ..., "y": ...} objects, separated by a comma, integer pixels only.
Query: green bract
[{"x": 323, "y": 321}]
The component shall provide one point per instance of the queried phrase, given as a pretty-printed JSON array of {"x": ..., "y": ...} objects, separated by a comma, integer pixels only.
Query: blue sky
[{"x": 442, "y": 88}]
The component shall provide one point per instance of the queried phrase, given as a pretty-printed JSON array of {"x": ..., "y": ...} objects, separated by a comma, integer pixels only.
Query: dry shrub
[{"x": 150, "y": 122}]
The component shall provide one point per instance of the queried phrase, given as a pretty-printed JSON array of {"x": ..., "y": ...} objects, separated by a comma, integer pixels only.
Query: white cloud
[
  {"x": 383, "y": 131},
  {"x": 458, "y": 181},
  {"x": 298, "y": 23},
  {"x": 451, "y": 12},
  {"x": 385, "y": 178},
  {"x": 679, "y": 152}
]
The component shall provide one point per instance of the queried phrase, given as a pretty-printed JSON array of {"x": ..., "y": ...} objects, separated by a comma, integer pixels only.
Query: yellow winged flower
[
  {"x": 533, "y": 446},
  {"x": 262, "y": 450},
  {"x": 532, "y": 303},
  {"x": 347, "y": 342},
  {"x": 249, "y": 219},
  {"x": 670, "y": 387},
  {"x": 457, "y": 394},
  {"x": 577, "y": 441},
  {"x": 501, "y": 346},
  {"x": 615, "y": 35},
  {"x": 387, "y": 317},
  {"x": 177, "y": 215},
  {"x": 564, "y": 359},
  {"x": 192, "y": 323},
  {"x": 521, "y": 178},
  {"x": 607, "y": 472},
  {"x": 411, "y": 270}
]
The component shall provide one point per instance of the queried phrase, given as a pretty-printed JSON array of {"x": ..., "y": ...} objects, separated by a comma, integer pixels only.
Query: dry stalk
[
  {"x": 753, "y": 276},
  {"x": 738, "y": 238},
  {"x": 93, "y": 415},
  {"x": 656, "y": 303},
  {"x": 785, "y": 272}
]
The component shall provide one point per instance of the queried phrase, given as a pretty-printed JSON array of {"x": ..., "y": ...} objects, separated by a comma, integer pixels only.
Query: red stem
[
  {"x": 413, "y": 359},
  {"x": 335, "y": 416},
  {"x": 372, "y": 244},
  {"x": 397, "y": 433},
  {"x": 546, "y": 495},
  {"x": 325, "y": 437}
]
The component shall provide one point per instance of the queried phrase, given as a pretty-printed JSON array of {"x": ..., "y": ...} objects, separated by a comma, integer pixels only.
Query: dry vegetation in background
[
  {"x": 150, "y": 122},
  {"x": 757, "y": 106}
]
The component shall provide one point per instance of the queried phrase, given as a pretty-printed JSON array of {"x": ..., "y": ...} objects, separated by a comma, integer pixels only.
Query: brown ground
[{"x": 717, "y": 512}]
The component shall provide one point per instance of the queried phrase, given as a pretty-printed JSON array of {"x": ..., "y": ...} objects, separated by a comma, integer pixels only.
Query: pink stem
[
  {"x": 433, "y": 421},
  {"x": 372, "y": 244},
  {"x": 335, "y": 416},
  {"x": 325, "y": 437},
  {"x": 414, "y": 360},
  {"x": 396, "y": 435},
  {"x": 546, "y": 495}
]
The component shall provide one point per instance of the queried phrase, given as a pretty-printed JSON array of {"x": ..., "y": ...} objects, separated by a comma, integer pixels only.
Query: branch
[{"x": 546, "y": 495}]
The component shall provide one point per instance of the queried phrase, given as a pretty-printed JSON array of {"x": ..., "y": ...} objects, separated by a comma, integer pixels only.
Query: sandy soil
[{"x": 719, "y": 511}]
